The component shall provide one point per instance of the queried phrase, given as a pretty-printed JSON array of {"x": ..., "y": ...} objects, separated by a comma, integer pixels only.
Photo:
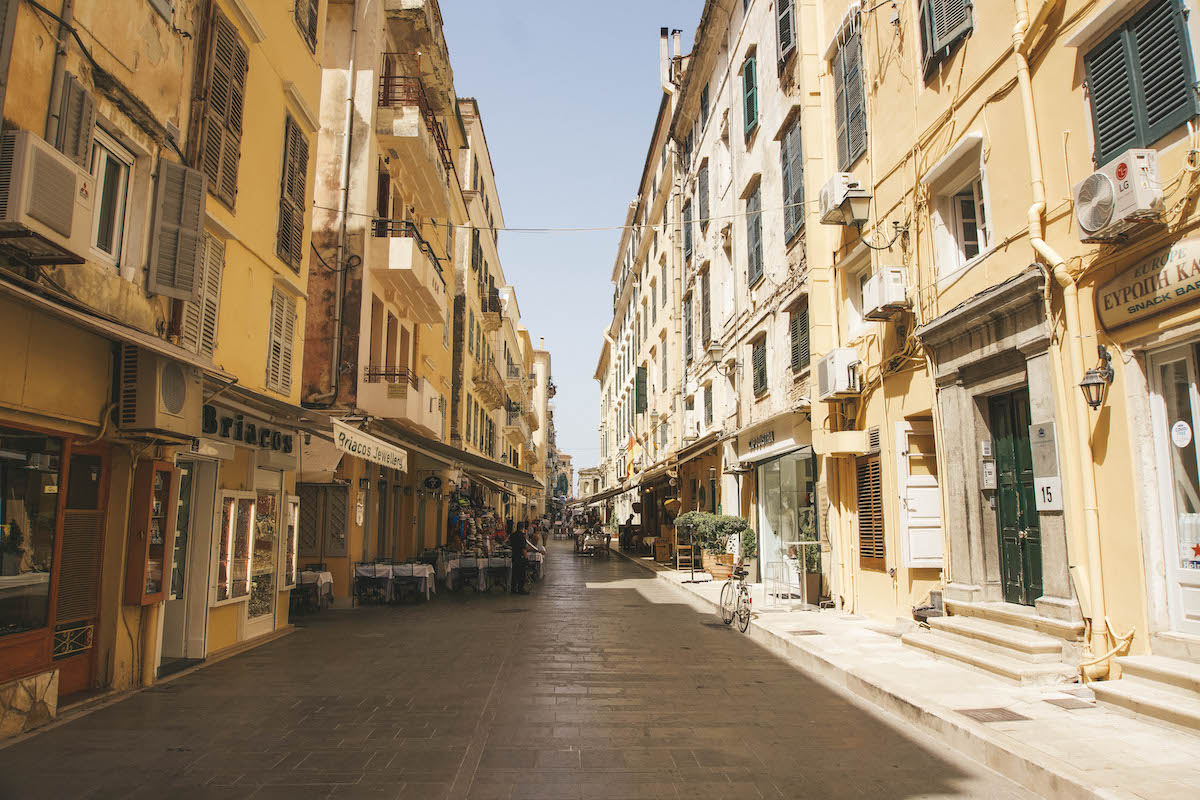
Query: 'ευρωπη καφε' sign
[{"x": 1166, "y": 279}]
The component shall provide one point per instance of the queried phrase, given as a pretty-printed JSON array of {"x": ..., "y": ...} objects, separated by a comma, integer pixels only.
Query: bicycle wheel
[
  {"x": 727, "y": 606},
  {"x": 743, "y": 611}
]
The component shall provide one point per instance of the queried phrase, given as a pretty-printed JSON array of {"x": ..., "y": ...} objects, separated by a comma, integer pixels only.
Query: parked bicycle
[{"x": 735, "y": 599}]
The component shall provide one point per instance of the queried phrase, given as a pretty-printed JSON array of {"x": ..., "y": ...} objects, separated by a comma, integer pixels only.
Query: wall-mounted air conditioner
[
  {"x": 843, "y": 200},
  {"x": 1117, "y": 197},
  {"x": 837, "y": 374},
  {"x": 885, "y": 293},
  {"x": 45, "y": 201},
  {"x": 158, "y": 394}
]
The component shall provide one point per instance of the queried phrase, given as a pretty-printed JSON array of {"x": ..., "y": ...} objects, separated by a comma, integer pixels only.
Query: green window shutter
[
  {"x": 856, "y": 107},
  {"x": 708, "y": 405},
  {"x": 292, "y": 195},
  {"x": 792, "y": 165},
  {"x": 221, "y": 139},
  {"x": 705, "y": 309},
  {"x": 759, "y": 359},
  {"x": 839, "y": 106},
  {"x": 1164, "y": 74},
  {"x": 754, "y": 257},
  {"x": 175, "y": 249},
  {"x": 798, "y": 333},
  {"x": 750, "y": 96},
  {"x": 664, "y": 285},
  {"x": 794, "y": 336},
  {"x": 702, "y": 191},
  {"x": 76, "y": 121},
  {"x": 687, "y": 329},
  {"x": 1109, "y": 71},
  {"x": 687, "y": 230},
  {"x": 950, "y": 20},
  {"x": 639, "y": 384},
  {"x": 785, "y": 15}
]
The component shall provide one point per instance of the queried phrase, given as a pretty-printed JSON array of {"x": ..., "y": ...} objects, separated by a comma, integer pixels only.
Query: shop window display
[
  {"x": 262, "y": 563},
  {"x": 29, "y": 483},
  {"x": 233, "y": 558}
]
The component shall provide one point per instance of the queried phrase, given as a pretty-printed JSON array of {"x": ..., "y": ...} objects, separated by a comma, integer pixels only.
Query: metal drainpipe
[
  {"x": 57, "y": 76},
  {"x": 1082, "y": 457}
]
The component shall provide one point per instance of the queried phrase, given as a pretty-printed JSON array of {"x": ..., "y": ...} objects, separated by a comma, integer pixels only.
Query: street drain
[
  {"x": 805, "y": 633},
  {"x": 1069, "y": 703},
  {"x": 991, "y": 714}
]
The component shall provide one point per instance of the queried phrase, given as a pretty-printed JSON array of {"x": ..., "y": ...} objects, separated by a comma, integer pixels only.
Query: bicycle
[{"x": 735, "y": 599}]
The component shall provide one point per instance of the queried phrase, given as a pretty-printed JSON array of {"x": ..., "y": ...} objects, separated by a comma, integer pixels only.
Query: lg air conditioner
[
  {"x": 836, "y": 196},
  {"x": 45, "y": 201},
  {"x": 1120, "y": 195},
  {"x": 158, "y": 394},
  {"x": 885, "y": 293},
  {"x": 837, "y": 374}
]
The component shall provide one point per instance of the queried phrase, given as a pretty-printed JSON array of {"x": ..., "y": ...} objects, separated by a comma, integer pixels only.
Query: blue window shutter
[
  {"x": 856, "y": 102},
  {"x": 839, "y": 106},
  {"x": 754, "y": 258},
  {"x": 792, "y": 166}
]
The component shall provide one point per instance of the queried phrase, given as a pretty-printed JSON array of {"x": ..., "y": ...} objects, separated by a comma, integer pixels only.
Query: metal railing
[
  {"x": 406, "y": 229},
  {"x": 374, "y": 373},
  {"x": 406, "y": 90},
  {"x": 491, "y": 302},
  {"x": 514, "y": 372}
]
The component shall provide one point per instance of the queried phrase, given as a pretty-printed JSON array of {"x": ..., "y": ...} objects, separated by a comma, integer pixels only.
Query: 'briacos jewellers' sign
[
  {"x": 221, "y": 424},
  {"x": 1167, "y": 279},
  {"x": 364, "y": 445}
]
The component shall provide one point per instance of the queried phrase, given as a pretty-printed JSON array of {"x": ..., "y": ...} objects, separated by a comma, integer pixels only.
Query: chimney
[
  {"x": 676, "y": 35},
  {"x": 664, "y": 59},
  {"x": 541, "y": 343}
]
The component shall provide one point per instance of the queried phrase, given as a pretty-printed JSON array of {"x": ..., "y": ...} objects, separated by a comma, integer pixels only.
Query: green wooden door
[{"x": 1016, "y": 512}]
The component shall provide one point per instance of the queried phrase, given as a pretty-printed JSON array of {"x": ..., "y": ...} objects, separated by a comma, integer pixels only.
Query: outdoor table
[
  {"x": 322, "y": 583},
  {"x": 420, "y": 574},
  {"x": 538, "y": 562},
  {"x": 377, "y": 578},
  {"x": 497, "y": 567}
]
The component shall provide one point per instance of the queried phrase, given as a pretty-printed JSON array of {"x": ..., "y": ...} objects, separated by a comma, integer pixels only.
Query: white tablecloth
[
  {"x": 480, "y": 563},
  {"x": 321, "y": 579},
  {"x": 422, "y": 572}
]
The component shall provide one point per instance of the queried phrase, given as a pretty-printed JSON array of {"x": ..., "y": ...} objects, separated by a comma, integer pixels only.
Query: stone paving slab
[
  {"x": 606, "y": 683},
  {"x": 1057, "y": 752}
]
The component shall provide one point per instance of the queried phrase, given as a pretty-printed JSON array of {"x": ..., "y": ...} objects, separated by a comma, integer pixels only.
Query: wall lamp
[{"x": 1096, "y": 380}]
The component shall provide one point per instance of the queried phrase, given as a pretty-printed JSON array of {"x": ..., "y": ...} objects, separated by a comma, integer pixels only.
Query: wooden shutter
[
  {"x": 702, "y": 191},
  {"x": 8, "y": 24},
  {"x": 178, "y": 227},
  {"x": 664, "y": 367},
  {"x": 336, "y": 517},
  {"x": 839, "y": 106},
  {"x": 705, "y": 309},
  {"x": 640, "y": 390},
  {"x": 76, "y": 121},
  {"x": 708, "y": 405},
  {"x": 754, "y": 258},
  {"x": 687, "y": 230},
  {"x": 950, "y": 20},
  {"x": 199, "y": 328},
  {"x": 855, "y": 99},
  {"x": 221, "y": 140},
  {"x": 798, "y": 334},
  {"x": 791, "y": 156},
  {"x": 306, "y": 18},
  {"x": 749, "y": 96},
  {"x": 870, "y": 513},
  {"x": 785, "y": 13},
  {"x": 759, "y": 363},
  {"x": 282, "y": 341},
  {"x": 1165, "y": 79},
  {"x": 292, "y": 194},
  {"x": 687, "y": 328},
  {"x": 664, "y": 284},
  {"x": 310, "y": 520}
]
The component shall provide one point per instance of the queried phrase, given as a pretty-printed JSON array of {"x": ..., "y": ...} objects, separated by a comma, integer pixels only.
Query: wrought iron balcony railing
[
  {"x": 375, "y": 373},
  {"x": 407, "y": 90},
  {"x": 403, "y": 228}
]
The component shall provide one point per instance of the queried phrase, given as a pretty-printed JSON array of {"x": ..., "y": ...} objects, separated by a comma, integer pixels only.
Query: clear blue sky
[{"x": 568, "y": 92}]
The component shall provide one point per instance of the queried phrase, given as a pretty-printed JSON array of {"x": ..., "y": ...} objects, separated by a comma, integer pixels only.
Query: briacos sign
[
  {"x": 1167, "y": 279},
  {"x": 218, "y": 423},
  {"x": 364, "y": 445}
]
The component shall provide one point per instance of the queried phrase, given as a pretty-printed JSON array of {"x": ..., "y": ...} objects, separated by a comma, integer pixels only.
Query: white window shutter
[
  {"x": 920, "y": 500},
  {"x": 275, "y": 346},
  {"x": 289, "y": 339},
  {"x": 175, "y": 250},
  {"x": 210, "y": 298},
  {"x": 76, "y": 121}
]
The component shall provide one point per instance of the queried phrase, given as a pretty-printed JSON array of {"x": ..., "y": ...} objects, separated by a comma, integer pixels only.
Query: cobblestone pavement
[{"x": 604, "y": 684}]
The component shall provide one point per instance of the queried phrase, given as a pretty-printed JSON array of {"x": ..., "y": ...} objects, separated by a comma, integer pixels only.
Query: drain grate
[
  {"x": 805, "y": 633},
  {"x": 991, "y": 714},
  {"x": 1069, "y": 703}
]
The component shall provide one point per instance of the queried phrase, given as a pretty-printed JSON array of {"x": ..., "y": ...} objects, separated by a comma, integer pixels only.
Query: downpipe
[{"x": 1082, "y": 457}]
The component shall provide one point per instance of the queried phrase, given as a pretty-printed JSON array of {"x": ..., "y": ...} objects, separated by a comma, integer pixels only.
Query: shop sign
[
  {"x": 220, "y": 423},
  {"x": 1167, "y": 279},
  {"x": 364, "y": 445},
  {"x": 761, "y": 441}
]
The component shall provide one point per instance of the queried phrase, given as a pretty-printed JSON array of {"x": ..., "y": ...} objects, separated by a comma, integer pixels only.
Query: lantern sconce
[
  {"x": 364, "y": 484},
  {"x": 1096, "y": 380}
]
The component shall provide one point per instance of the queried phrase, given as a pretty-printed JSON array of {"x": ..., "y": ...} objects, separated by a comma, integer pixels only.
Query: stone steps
[
  {"x": 1160, "y": 689},
  {"x": 1002, "y": 665},
  {"x": 1019, "y": 643},
  {"x": 1020, "y": 617}
]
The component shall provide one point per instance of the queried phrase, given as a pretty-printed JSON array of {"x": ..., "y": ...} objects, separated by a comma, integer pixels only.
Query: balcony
[
  {"x": 516, "y": 429},
  {"x": 531, "y": 419},
  {"x": 404, "y": 262},
  {"x": 411, "y": 135},
  {"x": 396, "y": 393},
  {"x": 489, "y": 386},
  {"x": 493, "y": 310}
]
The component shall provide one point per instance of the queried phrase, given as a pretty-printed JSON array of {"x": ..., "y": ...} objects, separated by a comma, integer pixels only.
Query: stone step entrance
[{"x": 1157, "y": 688}]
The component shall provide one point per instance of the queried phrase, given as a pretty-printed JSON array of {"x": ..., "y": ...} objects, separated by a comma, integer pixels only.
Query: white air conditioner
[
  {"x": 158, "y": 394},
  {"x": 837, "y": 190},
  {"x": 885, "y": 293},
  {"x": 45, "y": 201},
  {"x": 1122, "y": 193},
  {"x": 837, "y": 374}
]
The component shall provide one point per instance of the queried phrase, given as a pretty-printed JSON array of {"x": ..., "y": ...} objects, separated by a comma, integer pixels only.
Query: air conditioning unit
[
  {"x": 837, "y": 374},
  {"x": 885, "y": 293},
  {"x": 1121, "y": 194},
  {"x": 837, "y": 190},
  {"x": 158, "y": 394},
  {"x": 45, "y": 201}
]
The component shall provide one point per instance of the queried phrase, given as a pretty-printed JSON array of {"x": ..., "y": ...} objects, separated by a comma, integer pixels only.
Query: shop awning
[
  {"x": 453, "y": 456},
  {"x": 657, "y": 472},
  {"x": 698, "y": 447},
  {"x": 279, "y": 412},
  {"x": 110, "y": 329},
  {"x": 491, "y": 484},
  {"x": 599, "y": 496}
]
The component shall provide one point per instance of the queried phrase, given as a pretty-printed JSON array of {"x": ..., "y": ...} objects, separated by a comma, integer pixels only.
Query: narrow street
[{"x": 603, "y": 684}]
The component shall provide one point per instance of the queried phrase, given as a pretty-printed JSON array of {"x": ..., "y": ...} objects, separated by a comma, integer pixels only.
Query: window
[
  {"x": 850, "y": 110},
  {"x": 281, "y": 342},
  {"x": 705, "y": 308},
  {"x": 470, "y": 415},
  {"x": 640, "y": 390},
  {"x": 785, "y": 16},
  {"x": 791, "y": 157},
  {"x": 749, "y": 97},
  {"x": 871, "y": 553},
  {"x": 664, "y": 365},
  {"x": 708, "y": 405},
  {"x": 30, "y": 472},
  {"x": 754, "y": 256},
  {"x": 758, "y": 358},
  {"x": 234, "y": 551},
  {"x": 702, "y": 191},
  {"x": 703, "y": 107},
  {"x": 798, "y": 334},
  {"x": 306, "y": 19},
  {"x": 653, "y": 304},
  {"x": 292, "y": 195},
  {"x": 687, "y": 230},
  {"x": 664, "y": 284},
  {"x": 471, "y": 333},
  {"x": 943, "y": 23},
  {"x": 687, "y": 328},
  {"x": 77, "y": 121},
  {"x": 112, "y": 166},
  {"x": 970, "y": 221},
  {"x": 178, "y": 227},
  {"x": 221, "y": 138},
  {"x": 1141, "y": 80}
]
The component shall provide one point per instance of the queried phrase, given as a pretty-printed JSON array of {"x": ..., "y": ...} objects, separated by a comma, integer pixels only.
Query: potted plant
[
  {"x": 808, "y": 560},
  {"x": 721, "y": 539}
]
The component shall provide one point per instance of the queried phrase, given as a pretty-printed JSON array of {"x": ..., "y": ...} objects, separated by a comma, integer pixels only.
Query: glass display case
[
  {"x": 154, "y": 496},
  {"x": 262, "y": 562},
  {"x": 289, "y": 551},
  {"x": 29, "y": 480},
  {"x": 231, "y": 572}
]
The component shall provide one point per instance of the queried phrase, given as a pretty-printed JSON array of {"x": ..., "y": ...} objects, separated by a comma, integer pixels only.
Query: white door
[
  {"x": 920, "y": 497},
  {"x": 1175, "y": 404}
]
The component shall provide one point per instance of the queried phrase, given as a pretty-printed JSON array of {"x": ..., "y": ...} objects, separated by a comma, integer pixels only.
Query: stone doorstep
[
  {"x": 1019, "y": 643},
  {"x": 1018, "y": 616},
  {"x": 1170, "y": 674},
  {"x": 1015, "y": 670},
  {"x": 1150, "y": 701},
  {"x": 1022, "y": 763}
]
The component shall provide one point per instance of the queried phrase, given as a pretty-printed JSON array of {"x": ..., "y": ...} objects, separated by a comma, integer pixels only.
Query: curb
[{"x": 1023, "y": 765}]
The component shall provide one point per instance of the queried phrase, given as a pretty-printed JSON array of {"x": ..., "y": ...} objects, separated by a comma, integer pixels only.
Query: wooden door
[
  {"x": 77, "y": 602},
  {"x": 1017, "y": 520}
]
